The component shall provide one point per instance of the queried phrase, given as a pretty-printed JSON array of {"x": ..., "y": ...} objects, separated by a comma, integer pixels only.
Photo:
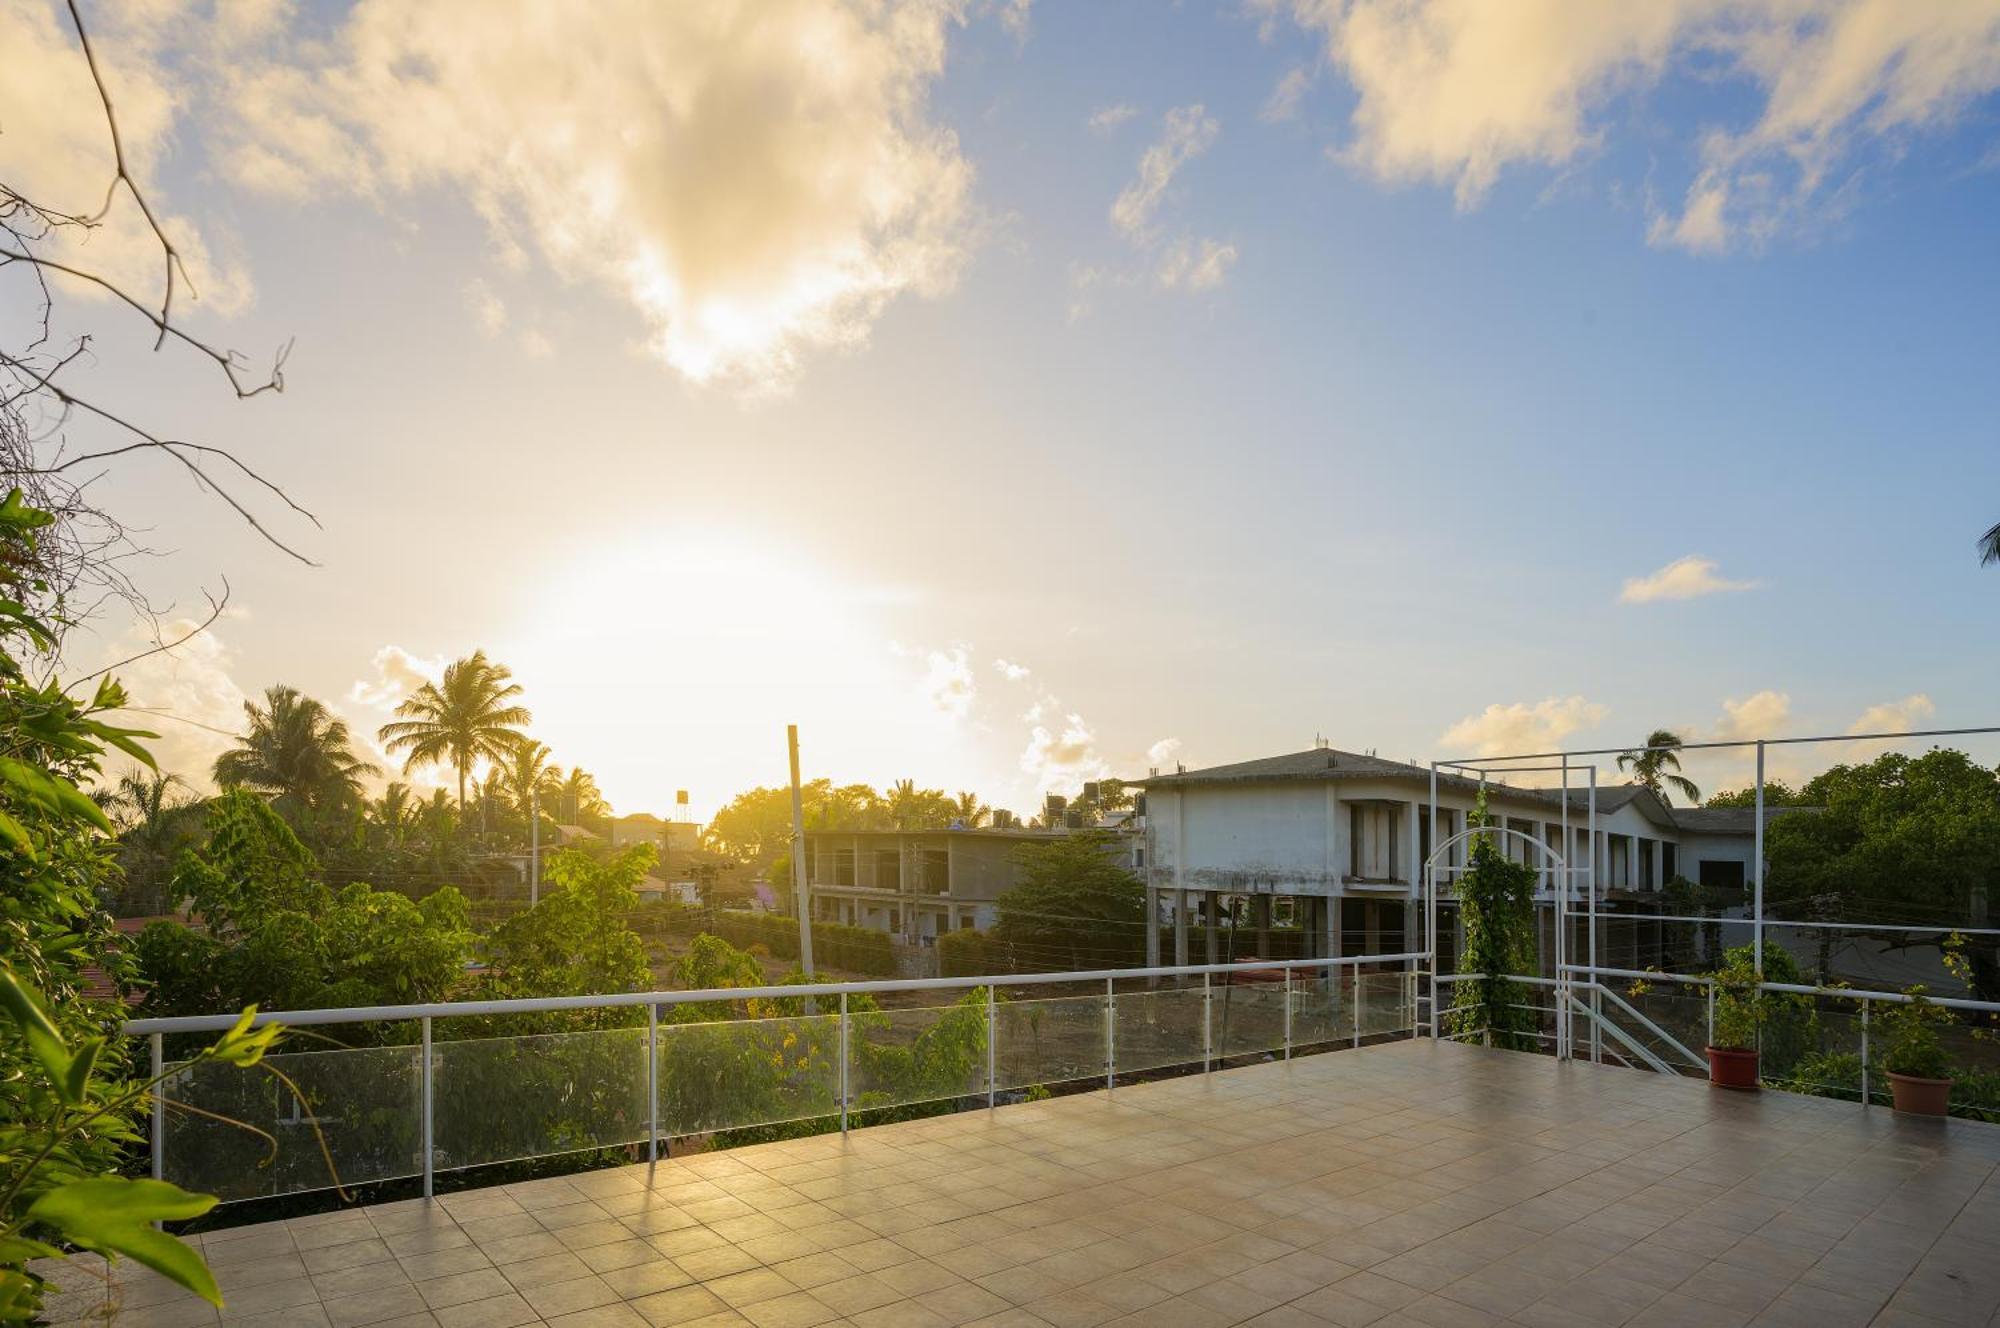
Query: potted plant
[
  {"x": 1913, "y": 1053},
  {"x": 1739, "y": 1014}
]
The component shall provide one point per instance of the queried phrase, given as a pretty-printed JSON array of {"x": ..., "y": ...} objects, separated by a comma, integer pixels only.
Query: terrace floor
[{"x": 1401, "y": 1184}]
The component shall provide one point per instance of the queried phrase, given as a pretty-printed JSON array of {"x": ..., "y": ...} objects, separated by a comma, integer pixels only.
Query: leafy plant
[
  {"x": 1748, "y": 1018},
  {"x": 1913, "y": 1036},
  {"x": 1496, "y": 907},
  {"x": 49, "y": 1191}
]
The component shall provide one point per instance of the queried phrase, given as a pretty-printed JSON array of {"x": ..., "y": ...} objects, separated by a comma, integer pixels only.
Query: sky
[{"x": 1014, "y": 394}]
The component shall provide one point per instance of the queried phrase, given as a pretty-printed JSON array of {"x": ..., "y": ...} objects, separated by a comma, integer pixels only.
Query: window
[
  {"x": 843, "y": 866},
  {"x": 888, "y": 869},
  {"x": 934, "y": 872},
  {"x": 1670, "y": 860},
  {"x": 1372, "y": 841},
  {"x": 1724, "y": 875}
]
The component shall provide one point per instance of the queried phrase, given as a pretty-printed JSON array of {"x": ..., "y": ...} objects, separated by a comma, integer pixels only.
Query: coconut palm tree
[
  {"x": 1989, "y": 547},
  {"x": 969, "y": 811},
  {"x": 467, "y": 715},
  {"x": 576, "y": 796},
  {"x": 394, "y": 814},
  {"x": 1658, "y": 768},
  {"x": 295, "y": 751},
  {"x": 524, "y": 771}
]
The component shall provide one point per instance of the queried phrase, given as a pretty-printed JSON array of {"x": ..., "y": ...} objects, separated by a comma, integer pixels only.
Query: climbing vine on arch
[{"x": 1496, "y": 907}]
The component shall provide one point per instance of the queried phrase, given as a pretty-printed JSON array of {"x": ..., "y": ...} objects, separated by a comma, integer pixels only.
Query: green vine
[{"x": 1496, "y": 906}]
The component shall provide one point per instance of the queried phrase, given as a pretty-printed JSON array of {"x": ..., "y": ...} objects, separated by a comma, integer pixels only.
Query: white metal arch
[{"x": 1558, "y": 871}]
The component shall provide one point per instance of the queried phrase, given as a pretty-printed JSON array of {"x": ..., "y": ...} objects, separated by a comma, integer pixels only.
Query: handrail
[
  {"x": 365, "y": 1014},
  {"x": 1797, "y": 988}
]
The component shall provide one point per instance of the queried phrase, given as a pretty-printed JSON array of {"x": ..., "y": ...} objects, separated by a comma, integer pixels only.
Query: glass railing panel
[
  {"x": 499, "y": 1099},
  {"x": 1049, "y": 1041},
  {"x": 737, "y": 1073},
  {"x": 1322, "y": 1009},
  {"x": 1386, "y": 1005},
  {"x": 918, "y": 1055},
  {"x": 345, "y": 1117},
  {"x": 1158, "y": 1028},
  {"x": 1249, "y": 1017}
]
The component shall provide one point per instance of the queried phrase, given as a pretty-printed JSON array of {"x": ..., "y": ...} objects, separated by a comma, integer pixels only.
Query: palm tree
[
  {"x": 969, "y": 811},
  {"x": 296, "y": 751},
  {"x": 1658, "y": 768},
  {"x": 393, "y": 813},
  {"x": 577, "y": 796},
  {"x": 1989, "y": 547},
  {"x": 524, "y": 771},
  {"x": 142, "y": 804},
  {"x": 467, "y": 715}
]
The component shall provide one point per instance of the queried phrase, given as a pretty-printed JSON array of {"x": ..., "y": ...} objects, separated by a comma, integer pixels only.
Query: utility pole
[
  {"x": 534, "y": 845},
  {"x": 800, "y": 901}
]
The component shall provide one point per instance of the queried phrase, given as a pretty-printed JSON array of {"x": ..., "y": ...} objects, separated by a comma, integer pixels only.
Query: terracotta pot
[
  {"x": 1919, "y": 1097},
  {"x": 1733, "y": 1067}
]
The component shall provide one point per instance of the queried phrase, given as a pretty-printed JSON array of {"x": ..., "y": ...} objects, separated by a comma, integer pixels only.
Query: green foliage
[
  {"x": 577, "y": 941},
  {"x": 970, "y": 953},
  {"x": 1747, "y": 1018},
  {"x": 756, "y": 825},
  {"x": 1912, "y": 1036},
  {"x": 1075, "y": 903},
  {"x": 299, "y": 754},
  {"x": 1777, "y": 793},
  {"x": 1903, "y": 839},
  {"x": 468, "y": 714},
  {"x": 275, "y": 934},
  {"x": 1496, "y": 907},
  {"x": 1656, "y": 765}
]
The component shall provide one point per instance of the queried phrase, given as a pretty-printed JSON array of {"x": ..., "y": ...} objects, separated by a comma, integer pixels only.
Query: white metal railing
[{"x": 156, "y": 1030}]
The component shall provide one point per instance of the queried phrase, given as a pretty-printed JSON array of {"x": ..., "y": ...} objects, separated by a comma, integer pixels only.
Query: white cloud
[
  {"x": 1895, "y": 716},
  {"x": 1283, "y": 103},
  {"x": 1186, "y": 133},
  {"x": 395, "y": 674},
  {"x": 1107, "y": 118},
  {"x": 489, "y": 314},
  {"x": 1164, "y": 753},
  {"x": 1683, "y": 578},
  {"x": 1761, "y": 715},
  {"x": 759, "y": 179},
  {"x": 948, "y": 683},
  {"x": 1456, "y": 91},
  {"x": 1011, "y": 671},
  {"x": 58, "y": 151},
  {"x": 187, "y": 696},
  {"x": 1520, "y": 728},
  {"x": 1062, "y": 754},
  {"x": 1196, "y": 264}
]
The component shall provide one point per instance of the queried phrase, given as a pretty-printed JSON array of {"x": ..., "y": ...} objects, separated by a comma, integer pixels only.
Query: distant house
[
  {"x": 1338, "y": 840},
  {"x": 920, "y": 884}
]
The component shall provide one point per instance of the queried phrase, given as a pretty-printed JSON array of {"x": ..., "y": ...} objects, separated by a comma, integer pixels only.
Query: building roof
[{"x": 1727, "y": 820}]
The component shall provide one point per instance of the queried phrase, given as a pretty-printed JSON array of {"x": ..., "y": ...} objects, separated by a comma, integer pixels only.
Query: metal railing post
[
  {"x": 1357, "y": 1005},
  {"x": 425, "y": 1077},
  {"x": 1110, "y": 1034},
  {"x": 1287, "y": 972},
  {"x": 992, "y": 1044},
  {"x": 1865, "y": 1006},
  {"x": 159, "y": 1107},
  {"x": 1207, "y": 1024},
  {"x": 1710, "y": 989},
  {"x": 652, "y": 1083},
  {"x": 843, "y": 1062}
]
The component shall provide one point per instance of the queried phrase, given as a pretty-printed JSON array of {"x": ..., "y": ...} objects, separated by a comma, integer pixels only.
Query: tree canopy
[
  {"x": 468, "y": 715},
  {"x": 1075, "y": 904}
]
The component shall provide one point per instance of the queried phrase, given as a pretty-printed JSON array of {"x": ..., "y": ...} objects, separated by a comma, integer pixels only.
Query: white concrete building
[{"x": 1339, "y": 840}]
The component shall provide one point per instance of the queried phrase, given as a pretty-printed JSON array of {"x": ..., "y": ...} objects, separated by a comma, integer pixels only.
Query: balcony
[{"x": 1410, "y": 1181}]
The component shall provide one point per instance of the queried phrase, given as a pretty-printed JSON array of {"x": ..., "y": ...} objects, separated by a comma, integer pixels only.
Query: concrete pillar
[
  {"x": 1260, "y": 907},
  {"x": 1329, "y": 925},
  {"x": 1152, "y": 927},
  {"x": 1181, "y": 928},
  {"x": 1211, "y": 906}
]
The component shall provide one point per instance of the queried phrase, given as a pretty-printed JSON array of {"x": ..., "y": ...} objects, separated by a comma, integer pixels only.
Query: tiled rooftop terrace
[{"x": 1409, "y": 1183}]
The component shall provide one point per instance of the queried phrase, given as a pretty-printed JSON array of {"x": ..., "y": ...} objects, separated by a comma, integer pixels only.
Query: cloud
[
  {"x": 759, "y": 179},
  {"x": 1187, "y": 132},
  {"x": 948, "y": 683},
  {"x": 396, "y": 673},
  {"x": 488, "y": 313},
  {"x": 187, "y": 696},
  {"x": 1165, "y": 752},
  {"x": 1196, "y": 265},
  {"x": 1186, "y": 262},
  {"x": 1895, "y": 716},
  {"x": 1063, "y": 754},
  {"x": 1683, "y": 578},
  {"x": 58, "y": 151},
  {"x": 1455, "y": 92},
  {"x": 1760, "y": 715},
  {"x": 1520, "y": 728},
  {"x": 1107, "y": 118},
  {"x": 1011, "y": 671},
  {"x": 1283, "y": 103}
]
